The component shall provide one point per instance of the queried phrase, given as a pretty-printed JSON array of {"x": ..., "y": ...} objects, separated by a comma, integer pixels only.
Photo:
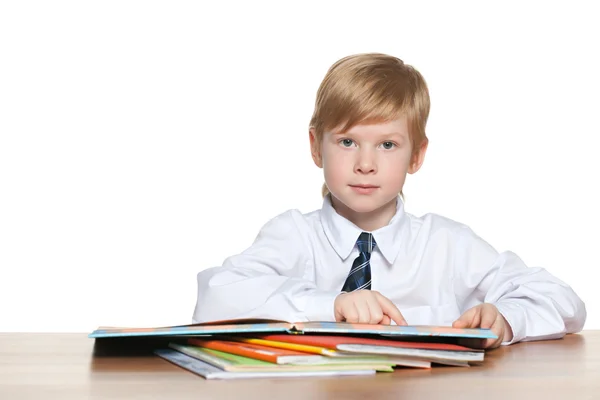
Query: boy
[{"x": 361, "y": 257}]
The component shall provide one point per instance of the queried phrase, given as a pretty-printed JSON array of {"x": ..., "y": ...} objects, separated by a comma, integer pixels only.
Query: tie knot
[{"x": 366, "y": 243}]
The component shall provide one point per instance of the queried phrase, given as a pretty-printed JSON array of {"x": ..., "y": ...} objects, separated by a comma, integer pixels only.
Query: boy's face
[{"x": 366, "y": 166}]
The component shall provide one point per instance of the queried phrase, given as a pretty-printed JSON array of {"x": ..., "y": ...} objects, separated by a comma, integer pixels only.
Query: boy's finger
[
  {"x": 498, "y": 328},
  {"x": 391, "y": 310},
  {"x": 464, "y": 320},
  {"x": 469, "y": 319},
  {"x": 488, "y": 317},
  {"x": 350, "y": 313},
  {"x": 375, "y": 311},
  {"x": 364, "y": 315}
]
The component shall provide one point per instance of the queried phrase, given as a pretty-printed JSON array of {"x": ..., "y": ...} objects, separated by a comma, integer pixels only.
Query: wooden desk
[{"x": 63, "y": 366}]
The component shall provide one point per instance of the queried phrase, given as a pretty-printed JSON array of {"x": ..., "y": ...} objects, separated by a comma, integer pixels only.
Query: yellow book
[{"x": 290, "y": 346}]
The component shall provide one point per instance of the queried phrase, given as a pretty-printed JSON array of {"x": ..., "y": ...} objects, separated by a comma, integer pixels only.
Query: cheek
[
  {"x": 398, "y": 161},
  {"x": 336, "y": 165},
  {"x": 332, "y": 178},
  {"x": 395, "y": 167}
]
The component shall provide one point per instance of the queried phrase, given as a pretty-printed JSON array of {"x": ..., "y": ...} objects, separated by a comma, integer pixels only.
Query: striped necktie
[{"x": 360, "y": 274}]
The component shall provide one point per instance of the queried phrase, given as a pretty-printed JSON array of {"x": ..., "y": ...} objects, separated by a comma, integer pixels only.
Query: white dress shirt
[{"x": 431, "y": 267}]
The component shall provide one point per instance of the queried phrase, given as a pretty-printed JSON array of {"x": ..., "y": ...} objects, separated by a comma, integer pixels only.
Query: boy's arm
[
  {"x": 536, "y": 304},
  {"x": 268, "y": 280}
]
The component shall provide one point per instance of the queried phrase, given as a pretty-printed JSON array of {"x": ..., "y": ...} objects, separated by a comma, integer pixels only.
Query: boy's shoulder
[
  {"x": 291, "y": 221},
  {"x": 433, "y": 222}
]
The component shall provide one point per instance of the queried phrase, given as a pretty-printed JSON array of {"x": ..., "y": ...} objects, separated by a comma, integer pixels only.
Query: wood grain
[{"x": 70, "y": 366}]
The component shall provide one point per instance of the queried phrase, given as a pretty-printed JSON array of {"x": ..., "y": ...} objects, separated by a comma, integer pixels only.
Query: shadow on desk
[{"x": 131, "y": 346}]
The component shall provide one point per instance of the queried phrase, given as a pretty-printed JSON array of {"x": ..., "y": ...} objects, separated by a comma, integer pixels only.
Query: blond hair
[{"x": 371, "y": 88}]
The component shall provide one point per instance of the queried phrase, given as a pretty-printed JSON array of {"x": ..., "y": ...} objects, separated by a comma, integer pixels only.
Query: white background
[{"x": 143, "y": 141}]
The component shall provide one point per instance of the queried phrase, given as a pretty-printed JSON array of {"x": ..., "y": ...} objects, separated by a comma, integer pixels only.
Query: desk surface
[{"x": 69, "y": 366}]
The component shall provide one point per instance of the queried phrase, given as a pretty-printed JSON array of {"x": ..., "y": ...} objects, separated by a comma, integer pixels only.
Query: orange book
[
  {"x": 289, "y": 345},
  {"x": 258, "y": 352}
]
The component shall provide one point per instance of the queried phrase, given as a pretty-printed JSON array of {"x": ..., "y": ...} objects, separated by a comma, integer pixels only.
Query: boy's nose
[{"x": 365, "y": 163}]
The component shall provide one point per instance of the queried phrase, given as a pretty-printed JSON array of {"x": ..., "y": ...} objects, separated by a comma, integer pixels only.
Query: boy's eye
[
  {"x": 346, "y": 142},
  {"x": 388, "y": 145}
]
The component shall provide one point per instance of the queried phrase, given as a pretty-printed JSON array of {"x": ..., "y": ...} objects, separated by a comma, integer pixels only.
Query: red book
[
  {"x": 332, "y": 342},
  {"x": 349, "y": 344}
]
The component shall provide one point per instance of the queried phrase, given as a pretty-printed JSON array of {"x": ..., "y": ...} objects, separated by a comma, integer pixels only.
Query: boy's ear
[
  {"x": 315, "y": 148},
  {"x": 418, "y": 157}
]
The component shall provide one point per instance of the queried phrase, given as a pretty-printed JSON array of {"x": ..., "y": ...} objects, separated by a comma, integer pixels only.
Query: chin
[{"x": 361, "y": 204}]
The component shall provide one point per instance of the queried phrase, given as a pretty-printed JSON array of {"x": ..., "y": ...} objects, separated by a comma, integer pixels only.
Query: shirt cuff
[
  {"x": 319, "y": 306},
  {"x": 515, "y": 317}
]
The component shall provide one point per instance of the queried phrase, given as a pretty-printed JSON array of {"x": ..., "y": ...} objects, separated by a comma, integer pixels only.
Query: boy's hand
[
  {"x": 486, "y": 316},
  {"x": 366, "y": 307}
]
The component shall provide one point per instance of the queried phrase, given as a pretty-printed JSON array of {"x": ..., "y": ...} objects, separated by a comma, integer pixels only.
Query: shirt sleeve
[
  {"x": 268, "y": 280},
  {"x": 536, "y": 304}
]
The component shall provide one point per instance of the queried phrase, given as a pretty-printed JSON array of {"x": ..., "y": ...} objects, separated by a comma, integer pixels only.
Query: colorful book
[
  {"x": 209, "y": 371},
  {"x": 333, "y": 341},
  {"x": 234, "y": 362},
  {"x": 282, "y": 355},
  {"x": 269, "y": 354},
  {"x": 269, "y": 326},
  {"x": 437, "y": 352},
  {"x": 289, "y": 344}
]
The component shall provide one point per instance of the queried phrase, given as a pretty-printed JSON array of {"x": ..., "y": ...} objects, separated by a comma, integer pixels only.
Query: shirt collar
[{"x": 342, "y": 233}]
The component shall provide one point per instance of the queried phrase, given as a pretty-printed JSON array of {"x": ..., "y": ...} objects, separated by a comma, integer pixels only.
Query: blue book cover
[{"x": 269, "y": 326}]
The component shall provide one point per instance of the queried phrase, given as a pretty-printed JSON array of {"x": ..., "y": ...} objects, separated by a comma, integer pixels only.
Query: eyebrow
[
  {"x": 390, "y": 134},
  {"x": 385, "y": 135}
]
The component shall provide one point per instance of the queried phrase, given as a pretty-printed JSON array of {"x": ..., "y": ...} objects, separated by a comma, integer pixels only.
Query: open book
[{"x": 244, "y": 326}]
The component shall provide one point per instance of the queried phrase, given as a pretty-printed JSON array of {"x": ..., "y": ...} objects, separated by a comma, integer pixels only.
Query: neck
[{"x": 367, "y": 221}]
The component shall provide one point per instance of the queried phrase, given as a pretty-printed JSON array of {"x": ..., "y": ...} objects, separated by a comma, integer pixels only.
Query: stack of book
[{"x": 266, "y": 348}]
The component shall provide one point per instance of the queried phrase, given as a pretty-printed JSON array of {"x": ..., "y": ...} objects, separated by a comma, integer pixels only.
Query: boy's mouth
[{"x": 364, "y": 188}]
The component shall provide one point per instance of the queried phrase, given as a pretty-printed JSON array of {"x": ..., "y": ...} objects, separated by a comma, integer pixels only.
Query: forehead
[{"x": 397, "y": 127}]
